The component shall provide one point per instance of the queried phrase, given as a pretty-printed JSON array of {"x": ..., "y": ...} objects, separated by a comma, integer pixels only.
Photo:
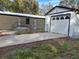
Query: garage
[
  {"x": 63, "y": 20},
  {"x": 60, "y": 23}
]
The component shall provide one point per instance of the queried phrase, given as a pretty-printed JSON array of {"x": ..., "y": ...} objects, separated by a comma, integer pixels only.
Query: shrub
[
  {"x": 46, "y": 51},
  {"x": 18, "y": 32},
  {"x": 75, "y": 54},
  {"x": 49, "y": 47},
  {"x": 21, "y": 54},
  {"x": 63, "y": 48},
  {"x": 28, "y": 31}
]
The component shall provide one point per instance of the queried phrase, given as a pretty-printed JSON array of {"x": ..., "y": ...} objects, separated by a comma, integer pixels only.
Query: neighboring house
[
  {"x": 12, "y": 21},
  {"x": 63, "y": 20}
]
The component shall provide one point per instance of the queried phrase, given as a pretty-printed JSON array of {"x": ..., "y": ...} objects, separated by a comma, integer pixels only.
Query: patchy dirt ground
[{"x": 74, "y": 43}]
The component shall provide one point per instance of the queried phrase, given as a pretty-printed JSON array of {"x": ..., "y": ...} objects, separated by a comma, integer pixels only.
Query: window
[
  {"x": 57, "y": 18},
  {"x": 53, "y": 18},
  {"x": 27, "y": 20},
  {"x": 62, "y": 18},
  {"x": 67, "y": 17}
]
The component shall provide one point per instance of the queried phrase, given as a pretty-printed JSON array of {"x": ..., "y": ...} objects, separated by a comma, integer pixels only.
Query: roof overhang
[
  {"x": 20, "y": 15},
  {"x": 69, "y": 9},
  {"x": 64, "y": 13}
]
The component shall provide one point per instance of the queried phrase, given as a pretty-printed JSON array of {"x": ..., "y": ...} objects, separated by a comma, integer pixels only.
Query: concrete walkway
[{"x": 27, "y": 38}]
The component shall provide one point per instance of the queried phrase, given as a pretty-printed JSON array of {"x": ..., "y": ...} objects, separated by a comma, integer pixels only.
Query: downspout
[{"x": 69, "y": 28}]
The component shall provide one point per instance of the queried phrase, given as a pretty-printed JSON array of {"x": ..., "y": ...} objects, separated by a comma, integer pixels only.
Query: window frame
[{"x": 27, "y": 20}]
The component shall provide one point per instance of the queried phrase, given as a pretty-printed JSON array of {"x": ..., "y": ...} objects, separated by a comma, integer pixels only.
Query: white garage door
[{"x": 60, "y": 24}]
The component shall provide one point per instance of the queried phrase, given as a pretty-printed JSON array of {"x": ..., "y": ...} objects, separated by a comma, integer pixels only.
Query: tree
[
  {"x": 21, "y": 6},
  {"x": 70, "y": 3},
  {"x": 44, "y": 8}
]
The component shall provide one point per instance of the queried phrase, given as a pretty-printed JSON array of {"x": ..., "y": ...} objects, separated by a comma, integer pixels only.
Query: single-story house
[
  {"x": 60, "y": 19},
  {"x": 64, "y": 20},
  {"x": 12, "y": 21}
]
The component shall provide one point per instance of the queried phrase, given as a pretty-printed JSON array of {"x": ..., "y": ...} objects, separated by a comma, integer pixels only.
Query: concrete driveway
[{"x": 27, "y": 38}]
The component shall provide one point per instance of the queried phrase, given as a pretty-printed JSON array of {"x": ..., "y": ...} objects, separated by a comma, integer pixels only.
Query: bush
[
  {"x": 75, "y": 54},
  {"x": 44, "y": 51},
  {"x": 28, "y": 31},
  {"x": 63, "y": 48},
  {"x": 21, "y": 54},
  {"x": 25, "y": 31},
  {"x": 49, "y": 47}
]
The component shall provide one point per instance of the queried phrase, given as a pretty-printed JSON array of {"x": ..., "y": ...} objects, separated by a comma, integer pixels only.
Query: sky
[{"x": 53, "y": 2}]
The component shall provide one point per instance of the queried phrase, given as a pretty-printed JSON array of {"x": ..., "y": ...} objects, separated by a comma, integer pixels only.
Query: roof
[
  {"x": 20, "y": 14},
  {"x": 70, "y": 9}
]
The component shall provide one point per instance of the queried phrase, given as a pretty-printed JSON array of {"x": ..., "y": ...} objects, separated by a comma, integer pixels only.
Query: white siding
[{"x": 47, "y": 23}]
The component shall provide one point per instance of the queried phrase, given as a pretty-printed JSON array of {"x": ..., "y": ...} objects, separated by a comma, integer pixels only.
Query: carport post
[
  {"x": 35, "y": 25},
  {"x": 19, "y": 21}
]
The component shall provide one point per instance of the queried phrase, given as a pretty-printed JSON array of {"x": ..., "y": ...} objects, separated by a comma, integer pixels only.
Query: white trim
[{"x": 20, "y": 14}]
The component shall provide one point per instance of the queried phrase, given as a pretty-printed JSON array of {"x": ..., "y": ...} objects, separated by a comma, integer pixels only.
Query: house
[
  {"x": 12, "y": 21},
  {"x": 60, "y": 19},
  {"x": 64, "y": 20}
]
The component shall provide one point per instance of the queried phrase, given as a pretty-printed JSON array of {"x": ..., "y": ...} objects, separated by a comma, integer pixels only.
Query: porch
[
  {"x": 28, "y": 24},
  {"x": 19, "y": 21}
]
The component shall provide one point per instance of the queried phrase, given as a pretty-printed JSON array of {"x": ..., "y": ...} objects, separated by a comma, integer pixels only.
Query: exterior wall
[
  {"x": 57, "y": 25},
  {"x": 47, "y": 24},
  {"x": 37, "y": 23},
  {"x": 11, "y": 22},
  {"x": 74, "y": 26},
  {"x": 7, "y": 22},
  {"x": 23, "y": 20},
  {"x": 56, "y": 10}
]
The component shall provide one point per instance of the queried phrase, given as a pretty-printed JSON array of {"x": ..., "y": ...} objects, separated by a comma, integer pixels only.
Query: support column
[
  {"x": 35, "y": 24},
  {"x": 19, "y": 22}
]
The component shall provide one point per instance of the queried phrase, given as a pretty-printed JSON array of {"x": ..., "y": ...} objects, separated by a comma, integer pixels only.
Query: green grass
[{"x": 45, "y": 51}]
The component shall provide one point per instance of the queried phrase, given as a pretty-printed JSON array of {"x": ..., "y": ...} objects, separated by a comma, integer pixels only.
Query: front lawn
[{"x": 46, "y": 51}]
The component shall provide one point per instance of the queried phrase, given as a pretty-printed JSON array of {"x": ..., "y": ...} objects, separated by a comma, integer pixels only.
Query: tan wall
[
  {"x": 40, "y": 23},
  {"x": 10, "y": 22},
  {"x": 7, "y": 22}
]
